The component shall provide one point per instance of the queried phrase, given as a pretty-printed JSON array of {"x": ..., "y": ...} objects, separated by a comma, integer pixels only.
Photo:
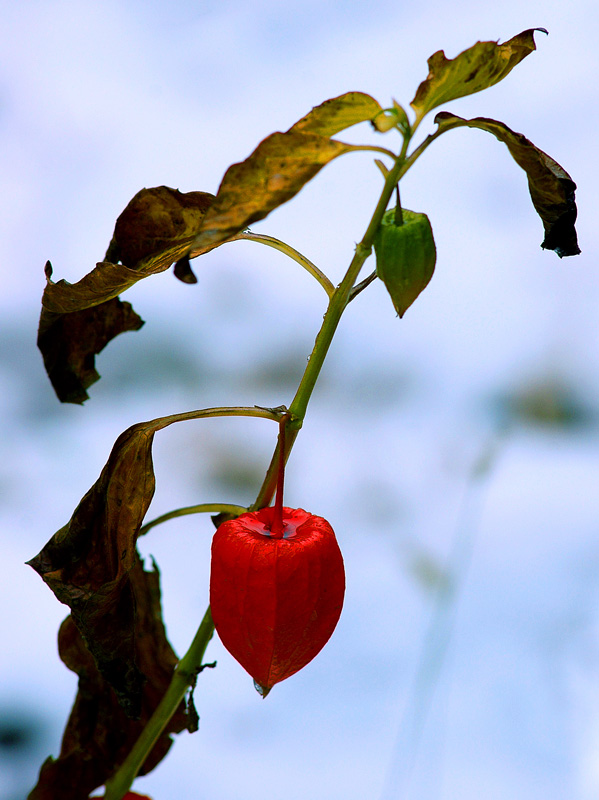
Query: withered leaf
[
  {"x": 88, "y": 563},
  {"x": 338, "y": 113},
  {"x": 274, "y": 173},
  {"x": 155, "y": 230},
  {"x": 552, "y": 190},
  {"x": 157, "y": 227},
  {"x": 69, "y": 343},
  {"x": 481, "y": 66},
  {"x": 99, "y": 735},
  {"x": 78, "y": 320}
]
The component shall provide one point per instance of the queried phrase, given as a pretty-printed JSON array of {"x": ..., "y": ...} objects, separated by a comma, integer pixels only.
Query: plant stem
[
  {"x": 336, "y": 307},
  {"x": 183, "y": 678},
  {"x": 359, "y": 287},
  {"x": 203, "y": 508},
  {"x": 294, "y": 254},
  {"x": 191, "y": 661},
  {"x": 277, "y": 527}
]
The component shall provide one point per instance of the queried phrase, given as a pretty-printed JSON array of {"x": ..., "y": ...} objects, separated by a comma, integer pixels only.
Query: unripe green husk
[{"x": 405, "y": 256}]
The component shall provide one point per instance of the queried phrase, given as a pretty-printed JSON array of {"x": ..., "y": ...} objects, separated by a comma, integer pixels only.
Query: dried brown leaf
[
  {"x": 69, "y": 343},
  {"x": 552, "y": 190},
  {"x": 99, "y": 735},
  {"x": 78, "y": 320}
]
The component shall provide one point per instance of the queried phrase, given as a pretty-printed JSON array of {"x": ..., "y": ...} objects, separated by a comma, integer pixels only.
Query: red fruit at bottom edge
[
  {"x": 128, "y": 796},
  {"x": 275, "y": 599}
]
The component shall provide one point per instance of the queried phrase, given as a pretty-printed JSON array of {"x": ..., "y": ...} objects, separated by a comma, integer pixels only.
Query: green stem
[
  {"x": 294, "y": 254},
  {"x": 415, "y": 154},
  {"x": 203, "y": 508},
  {"x": 191, "y": 661},
  {"x": 359, "y": 287},
  {"x": 374, "y": 149},
  {"x": 274, "y": 414},
  {"x": 336, "y": 307},
  {"x": 183, "y": 678}
]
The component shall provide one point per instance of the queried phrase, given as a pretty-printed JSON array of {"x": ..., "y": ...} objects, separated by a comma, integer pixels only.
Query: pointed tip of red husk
[{"x": 263, "y": 691}]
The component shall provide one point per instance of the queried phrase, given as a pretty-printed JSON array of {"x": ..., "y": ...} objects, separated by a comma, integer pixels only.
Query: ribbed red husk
[{"x": 275, "y": 601}]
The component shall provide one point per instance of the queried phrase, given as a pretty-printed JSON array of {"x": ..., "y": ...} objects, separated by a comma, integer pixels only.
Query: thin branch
[
  {"x": 203, "y": 508},
  {"x": 359, "y": 287},
  {"x": 294, "y": 254}
]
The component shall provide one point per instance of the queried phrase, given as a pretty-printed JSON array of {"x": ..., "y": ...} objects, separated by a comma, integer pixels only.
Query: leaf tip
[{"x": 48, "y": 270}]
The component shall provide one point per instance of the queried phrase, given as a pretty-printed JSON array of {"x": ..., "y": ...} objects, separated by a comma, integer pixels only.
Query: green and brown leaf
[
  {"x": 481, "y": 66},
  {"x": 552, "y": 190},
  {"x": 274, "y": 173}
]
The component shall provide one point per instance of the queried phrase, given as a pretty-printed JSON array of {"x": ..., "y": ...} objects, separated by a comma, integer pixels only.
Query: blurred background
[{"x": 455, "y": 452}]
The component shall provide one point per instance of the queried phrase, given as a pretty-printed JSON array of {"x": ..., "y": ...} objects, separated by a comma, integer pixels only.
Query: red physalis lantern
[
  {"x": 275, "y": 598},
  {"x": 276, "y": 587}
]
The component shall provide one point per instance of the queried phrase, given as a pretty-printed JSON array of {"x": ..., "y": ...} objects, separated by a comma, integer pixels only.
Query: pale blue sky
[{"x": 98, "y": 100}]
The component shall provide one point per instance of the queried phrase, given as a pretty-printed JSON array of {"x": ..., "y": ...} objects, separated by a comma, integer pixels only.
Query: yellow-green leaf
[
  {"x": 338, "y": 113},
  {"x": 274, "y": 173},
  {"x": 482, "y": 65},
  {"x": 552, "y": 190}
]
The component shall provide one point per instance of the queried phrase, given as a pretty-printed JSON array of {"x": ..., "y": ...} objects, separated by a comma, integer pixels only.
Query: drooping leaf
[
  {"x": 156, "y": 228},
  {"x": 88, "y": 562},
  {"x": 338, "y": 113},
  {"x": 70, "y": 342},
  {"x": 78, "y": 320},
  {"x": 481, "y": 66},
  {"x": 274, "y": 173},
  {"x": 552, "y": 190},
  {"x": 99, "y": 735}
]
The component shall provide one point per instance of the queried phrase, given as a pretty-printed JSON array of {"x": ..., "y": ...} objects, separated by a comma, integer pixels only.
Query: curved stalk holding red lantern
[{"x": 277, "y": 527}]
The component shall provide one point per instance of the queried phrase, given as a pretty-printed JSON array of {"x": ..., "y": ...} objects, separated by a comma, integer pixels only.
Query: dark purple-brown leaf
[
  {"x": 157, "y": 227},
  {"x": 70, "y": 342},
  {"x": 87, "y": 563}
]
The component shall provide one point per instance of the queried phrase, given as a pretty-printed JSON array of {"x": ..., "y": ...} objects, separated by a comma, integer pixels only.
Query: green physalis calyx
[{"x": 405, "y": 256}]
